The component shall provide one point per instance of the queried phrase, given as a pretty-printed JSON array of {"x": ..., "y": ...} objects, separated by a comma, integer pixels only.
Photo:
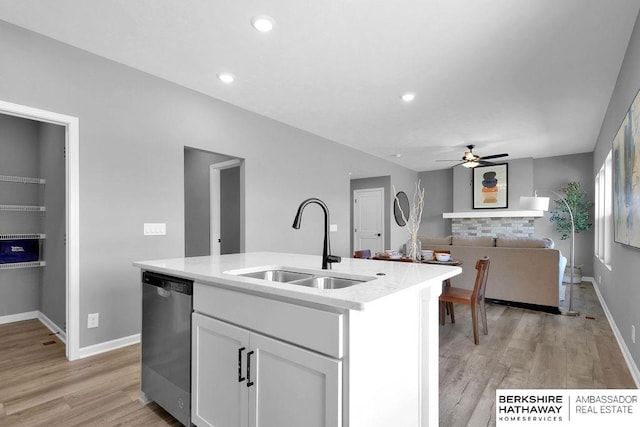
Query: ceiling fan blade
[
  {"x": 494, "y": 156},
  {"x": 484, "y": 163},
  {"x": 450, "y": 160}
]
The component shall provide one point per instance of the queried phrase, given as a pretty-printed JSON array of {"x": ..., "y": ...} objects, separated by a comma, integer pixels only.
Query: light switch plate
[
  {"x": 155, "y": 229},
  {"x": 333, "y": 228}
]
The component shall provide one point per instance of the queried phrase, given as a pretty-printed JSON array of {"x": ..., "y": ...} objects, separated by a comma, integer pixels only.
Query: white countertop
[{"x": 397, "y": 276}]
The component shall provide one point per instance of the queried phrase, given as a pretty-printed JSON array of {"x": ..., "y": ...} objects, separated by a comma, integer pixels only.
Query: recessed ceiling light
[
  {"x": 226, "y": 77},
  {"x": 263, "y": 23},
  {"x": 408, "y": 97}
]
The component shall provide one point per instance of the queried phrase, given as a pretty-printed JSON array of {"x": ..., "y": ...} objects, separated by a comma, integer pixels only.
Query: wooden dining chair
[
  {"x": 474, "y": 298},
  {"x": 366, "y": 253}
]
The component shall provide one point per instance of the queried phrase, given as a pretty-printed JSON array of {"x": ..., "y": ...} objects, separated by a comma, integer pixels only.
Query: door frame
[
  {"x": 214, "y": 202},
  {"x": 72, "y": 203},
  {"x": 382, "y": 209}
]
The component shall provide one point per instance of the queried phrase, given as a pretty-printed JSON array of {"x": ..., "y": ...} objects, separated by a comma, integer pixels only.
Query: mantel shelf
[{"x": 493, "y": 214}]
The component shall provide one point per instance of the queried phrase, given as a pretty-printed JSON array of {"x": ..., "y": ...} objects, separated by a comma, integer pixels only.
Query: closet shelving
[{"x": 22, "y": 208}]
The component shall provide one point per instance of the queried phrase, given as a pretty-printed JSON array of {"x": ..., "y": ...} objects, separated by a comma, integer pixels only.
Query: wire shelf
[
  {"x": 19, "y": 208},
  {"x": 14, "y": 265},
  {"x": 22, "y": 179},
  {"x": 18, "y": 236}
]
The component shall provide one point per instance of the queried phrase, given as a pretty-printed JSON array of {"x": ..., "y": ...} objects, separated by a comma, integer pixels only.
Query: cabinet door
[
  {"x": 219, "y": 395},
  {"x": 293, "y": 387}
]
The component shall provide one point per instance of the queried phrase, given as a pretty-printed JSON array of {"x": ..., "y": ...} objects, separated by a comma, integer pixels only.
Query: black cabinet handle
[
  {"x": 240, "y": 377},
  {"x": 249, "y": 382}
]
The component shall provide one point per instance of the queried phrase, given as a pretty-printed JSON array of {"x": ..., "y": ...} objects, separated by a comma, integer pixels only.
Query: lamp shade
[{"x": 534, "y": 203}]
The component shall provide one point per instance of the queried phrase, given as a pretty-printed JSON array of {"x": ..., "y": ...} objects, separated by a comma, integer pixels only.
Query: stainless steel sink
[
  {"x": 309, "y": 279},
  {"x": 277, "y": 275},
  {"x": 325, "y": 282}
]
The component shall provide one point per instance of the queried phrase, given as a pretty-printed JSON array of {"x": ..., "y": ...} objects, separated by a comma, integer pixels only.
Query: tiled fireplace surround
[
  {"x": 498, "y": 223},
  {"x": 494, "y": 227}
]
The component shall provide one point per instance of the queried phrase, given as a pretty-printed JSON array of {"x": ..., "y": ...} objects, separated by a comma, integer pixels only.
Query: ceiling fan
[{"x": 471, "y": 160}]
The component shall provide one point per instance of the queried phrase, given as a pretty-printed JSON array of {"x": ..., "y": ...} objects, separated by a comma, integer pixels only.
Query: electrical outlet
[
  {"x": 93, "y": 320},
  {"x": 633, "y": 334}
]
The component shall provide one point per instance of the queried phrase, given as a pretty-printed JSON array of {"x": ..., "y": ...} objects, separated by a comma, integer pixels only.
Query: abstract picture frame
[
  {"x": 626, "y": 178},
  {"x": 490, "y": 186}
]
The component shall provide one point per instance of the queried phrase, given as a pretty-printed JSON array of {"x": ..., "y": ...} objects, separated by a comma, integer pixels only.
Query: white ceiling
[{"x": 532, "y": 78}]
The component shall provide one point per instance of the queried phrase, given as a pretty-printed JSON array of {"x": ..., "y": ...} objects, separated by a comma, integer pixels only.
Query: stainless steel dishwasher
[{"x": 166, "y": 343}]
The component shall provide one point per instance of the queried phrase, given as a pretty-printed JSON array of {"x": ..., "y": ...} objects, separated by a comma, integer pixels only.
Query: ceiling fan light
[{"x": 470, "y": 164}]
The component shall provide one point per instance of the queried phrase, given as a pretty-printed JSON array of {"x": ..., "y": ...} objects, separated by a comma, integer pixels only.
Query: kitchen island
[{"x": 271, "y": 353}]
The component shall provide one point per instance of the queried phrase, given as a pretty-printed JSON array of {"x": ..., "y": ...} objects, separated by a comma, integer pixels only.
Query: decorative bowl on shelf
[
  {"x": 442, "y": 257},
  {"x": 427, "y": 255}
]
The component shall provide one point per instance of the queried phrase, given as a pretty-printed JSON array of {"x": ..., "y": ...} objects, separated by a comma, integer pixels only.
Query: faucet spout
[{"x": 327, "y": 258}]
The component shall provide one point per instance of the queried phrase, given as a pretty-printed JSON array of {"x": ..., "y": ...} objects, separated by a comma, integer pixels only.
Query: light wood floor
[{"x": 524, "y": 349}]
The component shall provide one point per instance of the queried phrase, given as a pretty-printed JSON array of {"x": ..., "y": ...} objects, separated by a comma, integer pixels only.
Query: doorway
[
  {"x": 377, "y": 182},
  {"x": 214, "y": 203},
  {"x": 225, "y": 207},
  {"x": 368, "y": 219},
  {"x": 71, "y": 270}
]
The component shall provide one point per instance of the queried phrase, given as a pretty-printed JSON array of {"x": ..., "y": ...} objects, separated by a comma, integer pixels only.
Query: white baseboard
[
  {"x": 84, "y": 351},
  {"x": 103, "y": 347},
  {"x": 28, "y": 315},
  {"x": 62, "y": 335},
  {"x": 633, "y": 368}
]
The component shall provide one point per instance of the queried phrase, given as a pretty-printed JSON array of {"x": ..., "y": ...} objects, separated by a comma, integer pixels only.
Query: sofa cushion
[
  {"x": 524, "y": 242},
  {"x": 435, "y": 240},
  {"x": 473, "y": 241}
]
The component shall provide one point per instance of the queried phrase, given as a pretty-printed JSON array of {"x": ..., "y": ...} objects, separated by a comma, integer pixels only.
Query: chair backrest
[
  {"x": 366, "y": 253},
  {"x": 482, "y": 265}
]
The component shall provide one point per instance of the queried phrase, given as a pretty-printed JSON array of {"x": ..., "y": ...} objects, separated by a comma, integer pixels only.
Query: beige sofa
[{"x": 524, "y": 272}]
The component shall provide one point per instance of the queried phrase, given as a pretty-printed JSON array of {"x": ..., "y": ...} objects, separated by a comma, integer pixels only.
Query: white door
[
  {"x": 218, "y": 373},
  {"x": 293, "y": 386},
  {"x": 368, "y": 219}
]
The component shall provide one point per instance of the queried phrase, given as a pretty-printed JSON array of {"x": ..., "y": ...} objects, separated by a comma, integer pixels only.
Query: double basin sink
[{"x": 300, "y": 278}]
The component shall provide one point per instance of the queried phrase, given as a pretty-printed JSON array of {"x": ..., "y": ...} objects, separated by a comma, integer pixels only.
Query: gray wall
[
  {"x": 438, "y": 198},
  {"x": 553, "y": 173},
  {"x": 376, "y": 182},
  {"x": 19, "y": 156},
  {"x": 520, "y": 183},
  {"x": 133, "y": 129},
  {"x": 620, "y": 286},
  {"x": 53, "y": 286}
]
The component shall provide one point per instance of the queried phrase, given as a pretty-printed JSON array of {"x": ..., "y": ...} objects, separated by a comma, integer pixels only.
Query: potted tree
[{"x": 575, "y": 199}]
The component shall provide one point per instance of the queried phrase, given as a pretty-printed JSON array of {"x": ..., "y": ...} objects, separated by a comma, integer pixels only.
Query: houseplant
[{"x": 576, "y": 200}]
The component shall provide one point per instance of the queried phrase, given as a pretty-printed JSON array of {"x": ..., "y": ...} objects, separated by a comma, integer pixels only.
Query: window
[{"x": 603, "y": 212}]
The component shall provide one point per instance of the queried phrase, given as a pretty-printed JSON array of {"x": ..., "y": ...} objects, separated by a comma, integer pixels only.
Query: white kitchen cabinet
[{"x": 242, "y": 378}]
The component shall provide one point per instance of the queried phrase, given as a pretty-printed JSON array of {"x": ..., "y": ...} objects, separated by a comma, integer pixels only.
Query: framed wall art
[
  {"x": 490, "y": 187},
  {"x": 626, "y": 178}
]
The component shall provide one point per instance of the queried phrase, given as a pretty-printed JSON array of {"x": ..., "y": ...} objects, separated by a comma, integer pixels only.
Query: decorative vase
[{"x": 413, "y": 247}]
